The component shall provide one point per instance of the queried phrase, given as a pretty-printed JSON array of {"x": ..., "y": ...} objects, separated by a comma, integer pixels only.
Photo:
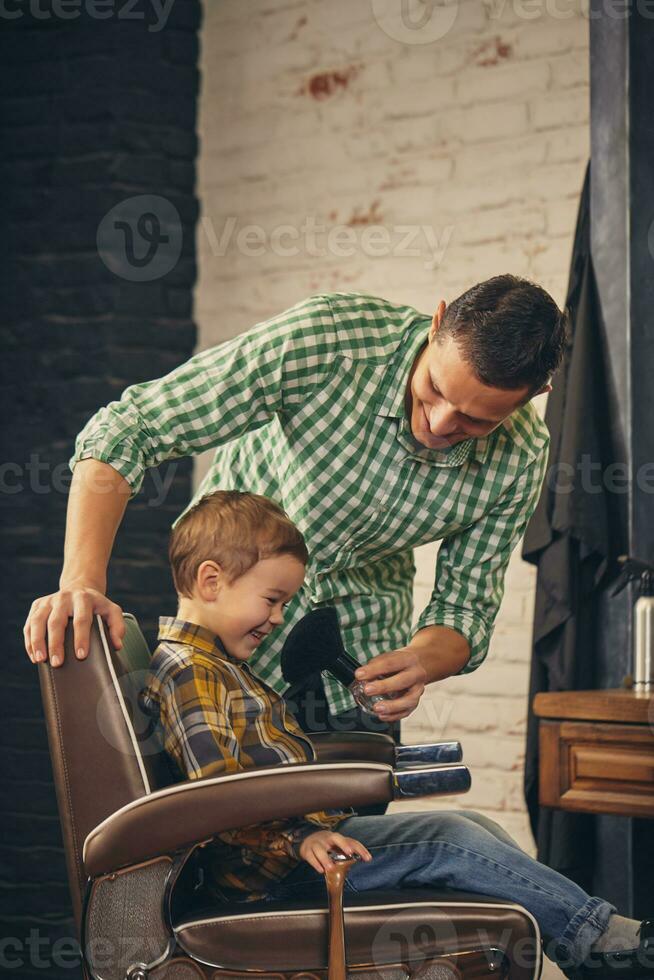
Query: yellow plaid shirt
[{"x": 216, "y": 716}]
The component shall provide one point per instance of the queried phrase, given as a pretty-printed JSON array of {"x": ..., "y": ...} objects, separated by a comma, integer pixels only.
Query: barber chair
[{"x": 133, "y": 840}]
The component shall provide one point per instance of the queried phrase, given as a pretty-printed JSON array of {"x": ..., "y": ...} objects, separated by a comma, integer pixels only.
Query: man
[{"x": 377, "y": 428}]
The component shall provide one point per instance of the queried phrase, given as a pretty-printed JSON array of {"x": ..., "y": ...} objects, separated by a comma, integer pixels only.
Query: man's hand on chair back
[
  {"x": 48, "y": 617},
  {"x": 97, "y": 500}
]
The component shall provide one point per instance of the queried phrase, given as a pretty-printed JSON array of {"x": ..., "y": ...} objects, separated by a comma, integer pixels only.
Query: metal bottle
[
  {"x": 644, "y": 634},
  {"x": 642, "y": 676}
]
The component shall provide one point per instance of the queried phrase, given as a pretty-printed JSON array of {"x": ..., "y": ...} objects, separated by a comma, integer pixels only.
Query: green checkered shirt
[{"x": 308, "y": 408}]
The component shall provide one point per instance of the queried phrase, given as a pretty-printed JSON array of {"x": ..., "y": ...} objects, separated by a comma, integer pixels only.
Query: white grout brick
[
  {"x": 552, "y": 36},
  {"x": 561, "y": 109},
  {"x": 443, "y": 715},
  {"x": 570, "y": 70},
  {"x": 520, "y": 575},
  {"x": 477, "y": 124},
  {"x": 511, "y": 643},
  {"x": 510, "y": 81},
  {"x": 487, "y": 789},
  {"x": 513, "y": 608},
  {"x": 494, "y": 679},
  {"x": 570, "y": 144},
  {"x": 501, "y": 224},
  {"x": 230, "y": 11},
  {"x": 414, "y": 101},
  {"x": 561, "y": 217},
  {"x": 335, "y": 17},
  {"x": 509, "y": 157},
  {"x": 427, "y": 64},
  {"x": 494, "y": 753}
]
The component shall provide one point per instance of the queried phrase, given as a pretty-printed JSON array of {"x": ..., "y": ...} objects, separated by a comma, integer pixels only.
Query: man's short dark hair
[{"x": 509, "y": 330}]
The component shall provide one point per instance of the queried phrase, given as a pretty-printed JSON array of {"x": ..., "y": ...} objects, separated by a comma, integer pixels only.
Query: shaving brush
[{"x": 315, "y": 644}]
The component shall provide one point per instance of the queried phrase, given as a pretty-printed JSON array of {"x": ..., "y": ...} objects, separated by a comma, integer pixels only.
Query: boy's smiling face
[{"x": 242, "y": 612}]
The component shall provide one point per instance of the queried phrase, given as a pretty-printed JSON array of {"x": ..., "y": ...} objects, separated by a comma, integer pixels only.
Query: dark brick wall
[{"x": 94, "y": 112}]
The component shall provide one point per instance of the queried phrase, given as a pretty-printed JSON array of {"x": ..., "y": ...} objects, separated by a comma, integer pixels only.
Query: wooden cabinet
[{"x": 597, "y": 751}]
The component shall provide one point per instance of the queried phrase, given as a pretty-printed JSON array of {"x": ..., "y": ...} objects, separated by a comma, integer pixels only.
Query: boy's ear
[{"x": 210, "y": 576}]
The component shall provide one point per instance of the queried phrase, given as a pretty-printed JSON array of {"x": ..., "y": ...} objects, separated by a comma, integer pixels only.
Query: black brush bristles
[{"x": 314, "y": 644}]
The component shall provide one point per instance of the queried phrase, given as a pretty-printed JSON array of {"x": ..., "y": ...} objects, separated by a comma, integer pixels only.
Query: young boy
[{"x": 236, "y": 561}]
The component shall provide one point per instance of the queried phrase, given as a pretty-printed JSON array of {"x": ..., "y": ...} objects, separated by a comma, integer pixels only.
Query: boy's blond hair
[{"x": 235, "y": 529}]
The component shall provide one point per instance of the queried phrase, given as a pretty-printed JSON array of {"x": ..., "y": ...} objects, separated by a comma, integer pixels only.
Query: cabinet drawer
[{"x": 597, "y": 768}]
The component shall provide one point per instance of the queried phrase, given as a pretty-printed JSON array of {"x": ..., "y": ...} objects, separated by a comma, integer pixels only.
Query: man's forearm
[
  {"x": 442, "y": 651},
  {"x": 97, "y": 500}
]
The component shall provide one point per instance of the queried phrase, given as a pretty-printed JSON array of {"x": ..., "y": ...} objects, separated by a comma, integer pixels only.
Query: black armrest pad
[{"x": 189, "y": 812}]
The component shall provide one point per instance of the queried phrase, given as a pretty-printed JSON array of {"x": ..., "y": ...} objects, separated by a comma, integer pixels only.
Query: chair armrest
[
  {"x": 428, "y": 754},
  {"x": 377, "y": 747},
  {"x": 353, "y": 747},
  {"x": 193, "y": 811}
]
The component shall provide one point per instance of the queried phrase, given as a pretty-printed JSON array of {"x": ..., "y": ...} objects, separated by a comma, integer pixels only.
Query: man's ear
[{"x": 437, "y": 319}]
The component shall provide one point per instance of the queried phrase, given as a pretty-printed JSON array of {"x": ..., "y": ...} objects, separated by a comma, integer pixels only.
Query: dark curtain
[{"x": 571, "y": 540}]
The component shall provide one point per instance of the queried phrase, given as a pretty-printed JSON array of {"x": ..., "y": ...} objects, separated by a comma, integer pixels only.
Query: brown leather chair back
[{"x": 105, "y": 752}]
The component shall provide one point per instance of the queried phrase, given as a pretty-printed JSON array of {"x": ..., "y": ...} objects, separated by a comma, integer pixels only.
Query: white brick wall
[{"x": 310, "y": 111}]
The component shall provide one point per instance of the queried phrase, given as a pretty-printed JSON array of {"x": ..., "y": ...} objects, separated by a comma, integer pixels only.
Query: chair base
[
  {"x": 473, "y": 965},
  {"x": 395, "y": 934}
]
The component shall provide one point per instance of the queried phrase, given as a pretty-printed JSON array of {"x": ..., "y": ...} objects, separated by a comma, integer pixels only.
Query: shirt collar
[
  {"x": 390, "y": 404},
  {"x": 174, "y": 630}
]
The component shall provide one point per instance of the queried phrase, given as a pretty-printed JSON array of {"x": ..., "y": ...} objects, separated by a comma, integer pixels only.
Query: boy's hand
[{"x": 314, "y": 848}]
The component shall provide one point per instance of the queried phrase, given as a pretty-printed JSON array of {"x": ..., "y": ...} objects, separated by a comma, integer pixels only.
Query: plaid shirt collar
[
  {"x": 391, "y": 405},
  {"x": 174, "y": 630}
]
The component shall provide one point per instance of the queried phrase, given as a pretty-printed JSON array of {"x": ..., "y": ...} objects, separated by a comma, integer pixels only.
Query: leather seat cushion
[{"x": 379, "y": 927}]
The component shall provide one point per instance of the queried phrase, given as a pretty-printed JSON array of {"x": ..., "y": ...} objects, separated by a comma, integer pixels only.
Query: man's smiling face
[{"x": 445, "y": 401}]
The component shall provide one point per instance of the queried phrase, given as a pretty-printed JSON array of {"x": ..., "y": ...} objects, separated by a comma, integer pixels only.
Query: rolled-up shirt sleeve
[
  {"x": 471, "y": 565},
  {"x": 215, "y": 396}
]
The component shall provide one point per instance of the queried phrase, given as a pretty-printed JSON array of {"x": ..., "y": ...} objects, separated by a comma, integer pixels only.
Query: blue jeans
[{"x": 463, "y": 850}]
